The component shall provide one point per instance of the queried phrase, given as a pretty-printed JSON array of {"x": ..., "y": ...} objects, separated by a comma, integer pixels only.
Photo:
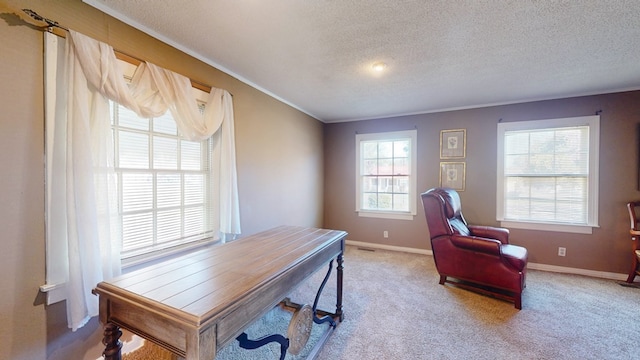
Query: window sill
[
  {"x": 57, "y": 292},
  {"x": 54, "y": 292},
  {"x": 576, "y": 229},
  {"x": 386, "y": 215},
  {"x": 140, "y": 261}
]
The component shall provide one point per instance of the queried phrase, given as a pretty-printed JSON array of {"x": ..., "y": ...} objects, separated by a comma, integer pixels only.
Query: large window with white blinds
[
  {"x": 548, "y": 174},
  {"x": 163, "y": 184}
]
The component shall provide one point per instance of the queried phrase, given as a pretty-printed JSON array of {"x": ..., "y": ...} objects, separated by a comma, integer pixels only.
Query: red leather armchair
[{"x": 480, "y": 258}]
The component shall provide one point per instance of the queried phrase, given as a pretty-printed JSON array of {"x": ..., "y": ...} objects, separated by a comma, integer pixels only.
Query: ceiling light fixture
[{"x": 379, "y": 66}]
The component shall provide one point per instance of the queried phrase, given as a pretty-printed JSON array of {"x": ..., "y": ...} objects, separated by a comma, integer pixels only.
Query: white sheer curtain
[{"x": 85, "y": 205}]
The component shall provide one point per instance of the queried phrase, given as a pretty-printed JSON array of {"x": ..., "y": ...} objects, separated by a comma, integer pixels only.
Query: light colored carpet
[{"x": 395, "y": 309}]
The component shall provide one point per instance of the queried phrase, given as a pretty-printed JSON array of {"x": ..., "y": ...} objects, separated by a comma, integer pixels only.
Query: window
[
  {"x": 163, "y": 184},
  {"x": 121, "y": 190},
  {"x": 385, "y": 176},
  {"x": 548, "y": 174}
]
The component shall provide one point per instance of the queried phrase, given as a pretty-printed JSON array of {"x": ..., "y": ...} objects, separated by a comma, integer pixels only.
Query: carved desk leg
[
  {"x": 112, "y": 343},
  {"x": 339, "y": 276},
  {"x": 327, "y": 318}
]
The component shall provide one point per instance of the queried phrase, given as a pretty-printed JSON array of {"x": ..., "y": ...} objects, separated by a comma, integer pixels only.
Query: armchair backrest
[{"x": 443, "y": 211}]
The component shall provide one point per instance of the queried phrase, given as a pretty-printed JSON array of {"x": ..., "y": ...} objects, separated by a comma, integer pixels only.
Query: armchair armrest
[
  {"x": 478, "y": 244},
  {"x": 501, "y": 234}
]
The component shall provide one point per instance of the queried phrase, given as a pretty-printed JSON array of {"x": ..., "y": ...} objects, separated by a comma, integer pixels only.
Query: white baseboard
[
  {"x": 532, "y": 266},
  {"x": 576, "y": 271}
]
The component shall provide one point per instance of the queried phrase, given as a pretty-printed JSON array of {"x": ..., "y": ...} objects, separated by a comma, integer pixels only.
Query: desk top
[{"x": 204, "y": 285}]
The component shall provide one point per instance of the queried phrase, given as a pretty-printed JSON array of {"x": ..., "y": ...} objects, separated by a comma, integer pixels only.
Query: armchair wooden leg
[
  {"x": 518, "y": 301},
  {"x": 634, "y": 268},
  {"x": 443, "y": 279}
]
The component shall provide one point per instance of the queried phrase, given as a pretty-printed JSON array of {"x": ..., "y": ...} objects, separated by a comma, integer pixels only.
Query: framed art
[
  {"x": 452, "y": 175},
  {"x": 453, "y": 144}
]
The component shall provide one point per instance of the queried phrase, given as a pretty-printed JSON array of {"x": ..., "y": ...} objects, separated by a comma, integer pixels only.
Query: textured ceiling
[{"x": 316, "y": 55}]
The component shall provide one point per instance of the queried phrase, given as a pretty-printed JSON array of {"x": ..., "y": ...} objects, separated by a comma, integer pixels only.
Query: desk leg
[
  {"x": 326, "y": 318},
  {"x": 112, "y": 343},
  {"x": 339, "y": 276}
]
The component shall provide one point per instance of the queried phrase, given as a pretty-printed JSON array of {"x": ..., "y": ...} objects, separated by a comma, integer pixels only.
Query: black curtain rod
[
  {"x": 55, "y": 24},
  {"x": 37, "y": 17}
]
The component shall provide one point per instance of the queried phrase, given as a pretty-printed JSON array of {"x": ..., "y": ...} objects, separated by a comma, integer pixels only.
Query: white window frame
[
  {"x": 137, "y": 258},
  {"x": 158, "y": 250},
  {"x": 410, "y": 135},
  {"x": 55, "y": 273},
  {"x": 593, "y": 122}
]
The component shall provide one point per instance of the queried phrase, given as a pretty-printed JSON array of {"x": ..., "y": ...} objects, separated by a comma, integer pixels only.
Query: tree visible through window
[{"x": 386, "y": 179}]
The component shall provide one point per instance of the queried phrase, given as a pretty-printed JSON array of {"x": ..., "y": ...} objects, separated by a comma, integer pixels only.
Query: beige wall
[
  {"x": 279, "y": 154},
  {"x": 607, "y": 249}
]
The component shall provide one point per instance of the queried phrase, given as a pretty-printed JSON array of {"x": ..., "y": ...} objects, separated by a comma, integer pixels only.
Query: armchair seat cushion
[{"x": 516, "y": 256}]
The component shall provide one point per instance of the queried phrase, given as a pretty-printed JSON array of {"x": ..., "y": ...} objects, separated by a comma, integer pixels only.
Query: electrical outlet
[
  {"x": 385, "y": 234},
  {"x": 562, "y": 251}
]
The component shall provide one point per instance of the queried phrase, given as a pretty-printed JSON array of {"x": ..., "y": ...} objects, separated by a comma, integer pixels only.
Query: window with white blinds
[
  {"x": 163, "y": 184},
  {"x": 548, "y": 174}
]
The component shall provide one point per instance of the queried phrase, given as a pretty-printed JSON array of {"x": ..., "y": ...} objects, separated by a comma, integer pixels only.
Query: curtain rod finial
[{"x": 37, "y": 17}]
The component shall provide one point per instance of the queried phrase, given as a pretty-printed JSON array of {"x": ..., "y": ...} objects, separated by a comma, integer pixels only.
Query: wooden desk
[{"x": 194, "y": 304}]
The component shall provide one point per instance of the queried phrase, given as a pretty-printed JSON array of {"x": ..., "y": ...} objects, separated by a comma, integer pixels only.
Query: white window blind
[
  {"x": 385, "y": 178},
  {"x": 163, "y": 184},
  {"x": 547, "y": 172}
]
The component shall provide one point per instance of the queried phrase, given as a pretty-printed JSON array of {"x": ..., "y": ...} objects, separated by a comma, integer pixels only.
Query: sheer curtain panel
[{"x": 82, "y": 206}]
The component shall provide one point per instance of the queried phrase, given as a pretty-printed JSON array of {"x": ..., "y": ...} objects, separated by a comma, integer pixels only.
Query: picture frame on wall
[
  {"x": 452, "y": 175},
  {"x": 453, "y": 144}
]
